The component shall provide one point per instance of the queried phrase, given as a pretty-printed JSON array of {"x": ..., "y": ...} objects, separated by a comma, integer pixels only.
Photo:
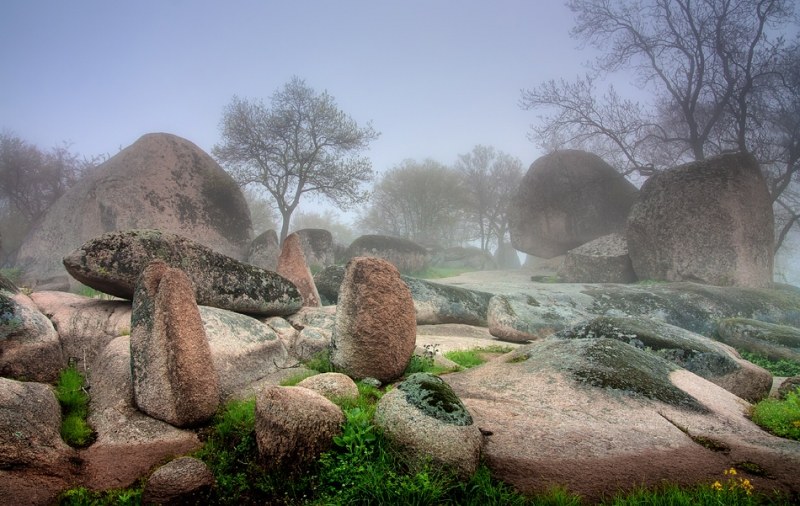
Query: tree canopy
[{"x": 301, "y": 144}]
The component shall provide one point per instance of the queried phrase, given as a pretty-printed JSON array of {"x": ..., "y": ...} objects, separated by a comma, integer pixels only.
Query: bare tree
[
  {"x": 421, "y": 201},
  {"x": 301, "y": 144},
  {"x": 715, "y": 70},
  {"x": 489, "y": 178}
]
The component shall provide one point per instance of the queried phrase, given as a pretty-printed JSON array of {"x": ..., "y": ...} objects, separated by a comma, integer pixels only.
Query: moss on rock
[{"x": 431, "y": 395}]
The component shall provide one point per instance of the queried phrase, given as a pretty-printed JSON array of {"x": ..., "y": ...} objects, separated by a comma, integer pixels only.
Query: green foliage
[
  {"x": 321, "y": 362},
  {"x": 88, "y": 291},
  {"x": 82, "y": 496},
  {"x": 473, "y": 358},
  {"x": 74, "y": 407},
  {"x": 13, "y": 274},
  {"x": 297, "y": 378},
  {"x": 782, "y": 418},
  {"x": 776, "y": 367}
]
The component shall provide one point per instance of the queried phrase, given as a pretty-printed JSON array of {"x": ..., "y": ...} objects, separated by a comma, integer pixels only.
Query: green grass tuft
[
  {"x": 297, "y": 378},
  {"x": 74, "y": 407},
  {"x": 782, "y": 418},
  {"x": 783, "y": 367},
  {"x": 473, "y": 358},
  {"x": 82, "y": 496}
]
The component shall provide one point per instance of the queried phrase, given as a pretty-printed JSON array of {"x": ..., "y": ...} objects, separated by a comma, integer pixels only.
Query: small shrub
[
  {"x": 75, "y": 431},
  {"x": 782, "y": 418},
  {"x": 776, "y": 367}
]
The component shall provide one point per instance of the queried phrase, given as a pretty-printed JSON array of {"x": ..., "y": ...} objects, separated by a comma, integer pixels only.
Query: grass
[
  {"x": 474, "y": 357},
  {"x": 82, "y": 496},
  {"x": 776, "y": 367},
  {"x": 74, "y": 407},
  {"x": 780, "y": 417}
]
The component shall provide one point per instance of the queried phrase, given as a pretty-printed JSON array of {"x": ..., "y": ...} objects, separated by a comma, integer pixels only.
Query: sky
[{"x": 435, "y": 77}]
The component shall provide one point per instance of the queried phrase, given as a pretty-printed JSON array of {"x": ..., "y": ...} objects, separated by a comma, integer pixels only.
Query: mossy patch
[
  {"x": 431, "y": 395},
  {"x": 9, "y": 319}
]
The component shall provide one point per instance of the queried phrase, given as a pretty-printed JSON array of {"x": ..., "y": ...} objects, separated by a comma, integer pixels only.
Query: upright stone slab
[
  {"x": 292, "y": 266},
  {"x": 174, "y": 379},
  {"x": 375, "y": 329}
]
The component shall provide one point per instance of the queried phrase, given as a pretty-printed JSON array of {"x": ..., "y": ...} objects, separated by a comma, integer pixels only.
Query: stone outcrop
[
  {"x": 566, "y": 199},
  {"x": 714, "y": 361},
  {"x": 294, "y": 426},
  {"x": 708, "y": 221},
  {"x": 292, "y": 266},
  {"x": 30, "y": 349},
  {"x": 112, "y": 263},
  {"x": 601, "y": 417},
  {"x": 520, "y": 318},
  {"x": 424, "y": 418},
  {"x": 603, "y": 260},
  {"x": 174, "y": 379},
  {"x": 408, "y": 256},
  {"x": 264, "y": 251},
  {"x": 185, "y": 480},
  {"x": 160, "y": 182},
  {"x": 331, "y": 385},
  {"x": 776, "y": 342},
  {"x": 375, "y": 327}
]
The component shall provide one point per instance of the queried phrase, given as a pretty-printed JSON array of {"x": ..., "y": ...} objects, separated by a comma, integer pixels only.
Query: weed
[
  {"x": 297, "y": 378},
  {"x": 321, "y": 362},
  {"x": 473, "y": 357},
  {"x": 782, "y": 367},
  {"x": 781, "y": 417},
  {"x": 82, "y": 496}
]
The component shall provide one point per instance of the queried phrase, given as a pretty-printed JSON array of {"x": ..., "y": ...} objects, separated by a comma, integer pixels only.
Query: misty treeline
[
  {"x": 31, "y": 180},
  {"x": 720, "y": 75}
]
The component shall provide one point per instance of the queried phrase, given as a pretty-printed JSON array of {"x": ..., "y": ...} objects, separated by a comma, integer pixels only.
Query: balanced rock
[
  {"x": 292, "y": 266},
  {"x": 566, "y": 199},
  {"x": 294, "y": 426},
  {"x": 424, "y": 418},
  {"x": 603, "y": 260},
  {"x": 776, "y": 342},
  {"x": 408, "y": 256},
  {"x": 708, "y": 221},
  {"x": 113, "y": 262},
  {"x": 185, "y": 480},
  {"x": 264, "y": 251},
  {"x": 161, "y": 182},
  {"x": 332, "y": 385},
  {"x": 375, "y": 328},
  {"x": 174, "y": 379}
]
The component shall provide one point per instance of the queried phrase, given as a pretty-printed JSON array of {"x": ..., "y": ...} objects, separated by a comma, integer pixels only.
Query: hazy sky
[{"x": 435, "y": 77}]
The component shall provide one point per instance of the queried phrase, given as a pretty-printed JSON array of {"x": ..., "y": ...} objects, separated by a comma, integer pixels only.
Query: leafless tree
[{"x": 302, "y": 144}]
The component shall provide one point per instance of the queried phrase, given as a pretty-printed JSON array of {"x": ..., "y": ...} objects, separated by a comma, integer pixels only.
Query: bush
[
  {"x": 782, "y": 418},
  {"x": 776, "y": 367}
]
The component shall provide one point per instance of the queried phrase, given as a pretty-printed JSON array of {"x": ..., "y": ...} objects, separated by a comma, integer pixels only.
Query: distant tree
[
  {"x": 489, "y": 178},
  {"x": 301, "y": 144},
  {"x": 719, "y": 76},
  {"x": 326, "y": 220},
  {"x": 421, "y": 201}
]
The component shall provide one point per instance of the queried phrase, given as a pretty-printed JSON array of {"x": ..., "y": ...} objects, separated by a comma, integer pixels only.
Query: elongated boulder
[
  {"x": 113, "y": 262},
  {"x": 776, "y": 342},
  {"x": 375, "y": 329},
  {"x": 292, "y": 265},
  {"x": 174, "y": 379}
]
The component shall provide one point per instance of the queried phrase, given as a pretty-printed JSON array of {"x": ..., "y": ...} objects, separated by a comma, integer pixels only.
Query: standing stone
[
  {"x": 294, "y": 425},
  {"x": 292, "y": 266},
  {"x": 375, "y": 329},
  {"x": 708, "y": 221},
  {"x": 174, "y": 379},
  {"x": 566, "y": 199}
]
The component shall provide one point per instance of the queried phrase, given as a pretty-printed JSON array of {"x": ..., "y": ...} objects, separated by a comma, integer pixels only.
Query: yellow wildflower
[
  {"x": 716, "y": 486},
  {"x": 731, "y": 471},
  {"x": 746, "y": 486}
]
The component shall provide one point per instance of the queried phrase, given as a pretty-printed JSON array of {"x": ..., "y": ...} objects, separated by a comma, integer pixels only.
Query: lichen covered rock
[
  {"x": 30, "y": 349},
  {"x": 776, "y": 342}
]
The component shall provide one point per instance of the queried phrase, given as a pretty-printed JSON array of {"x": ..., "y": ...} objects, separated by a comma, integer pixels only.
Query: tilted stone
[{"x": 292, "y": 265}]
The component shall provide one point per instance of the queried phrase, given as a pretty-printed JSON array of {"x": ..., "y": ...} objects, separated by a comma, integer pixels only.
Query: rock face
[
  {"x": 598, "y": 416},
  {"x": 776, "y": 342},
  {"x": 30, "y": 349},
  {"x": 375, "y": 327},
  {"x": 566, "y": 199},
  {"x": 113, "y": 262},
  {"x": 603, "y": 260},
  {"x": 408, "y": 256},
  {"x": 174, "y": 379},
  {"x": 708, "y": 221},
  {"x": 318, "y": 247},
  {"x": 294, "y": 426},
  {"x": 292, "y": 266},
  {"x": 427, "y": 420},
  {"x": 709, "y": 359},
  {"x": 264, "y": 251},
  {"x": 161, "y": 182},
  {"x": 185, "y": 480}
]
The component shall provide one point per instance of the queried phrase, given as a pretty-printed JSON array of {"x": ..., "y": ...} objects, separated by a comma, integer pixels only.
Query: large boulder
[
  {"x": 375, "y": 328},
  {"x": 714, "y": 361},
  {"x": 162, "y": 182},
  {"x": 776, "y": 342},
  {"x": 426, "y": 420},
  {"x": 708, "y": 221},
  {"x": 292, "y": 266},
  {"x": 294, "y": 425},
  {"x": 318, "y": 247},
  {"x": 174, "y": 379},
  {"x": 408, "y": 256},
  {"x": 113, "y": 262},
  {"x": 600, "y": 417},
  {"x": 566, "y": 199},
  {"x": 30, "y": 349},
  {"x": 603, "y": 260},
  {"x": 264, "y": 251}
]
